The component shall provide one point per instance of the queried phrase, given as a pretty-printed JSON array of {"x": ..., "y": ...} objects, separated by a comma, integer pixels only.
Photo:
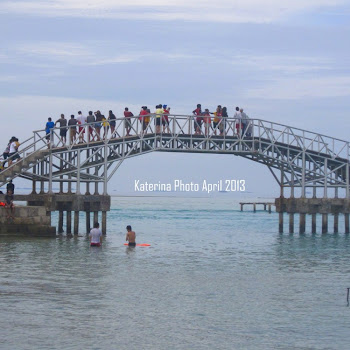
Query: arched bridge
[{"x": 296, "y": 158}]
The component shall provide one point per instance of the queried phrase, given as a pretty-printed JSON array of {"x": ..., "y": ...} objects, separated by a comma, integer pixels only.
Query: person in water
[
  {"x": 130, "y": 236},
  {"x": 96, "y": 236}
]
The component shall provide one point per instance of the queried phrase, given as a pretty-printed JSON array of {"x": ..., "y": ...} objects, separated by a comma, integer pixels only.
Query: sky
[{"x": 285, "y": 62}]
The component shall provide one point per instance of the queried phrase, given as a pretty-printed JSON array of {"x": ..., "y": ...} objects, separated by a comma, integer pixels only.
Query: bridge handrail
[{"x": 260, "y": 127}]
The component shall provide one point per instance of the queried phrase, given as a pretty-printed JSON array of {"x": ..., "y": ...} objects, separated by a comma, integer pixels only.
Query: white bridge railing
[{"x": 182, "y": 126}]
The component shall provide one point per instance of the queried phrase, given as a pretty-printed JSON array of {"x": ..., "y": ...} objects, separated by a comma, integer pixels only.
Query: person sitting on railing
[
  {"x": 222, "y": 126},
  {"x": 159, "y": 115},
  {"x": 72, "y": 124},
  {"x": 199, "y": 119},
  {"x": 63, "y": 131},
  {"x": 10, "y": 187},
  {"x": 217, "y": 118},
  {"x": 90, "y": 119},
  {"x": 165, "y": 119},
  {"x": 238, "y": 119},
  {"x": 81, "y": 122},
  {"x": 144, "y": 118},
  {"x": 9, "y": 205},
  {"x": 112, "y": 122},
  {"x": 207, "y": 121},
  {"x": 127, "y": 121},
  {"x": 13, "y": 155},
  {"x": 98, "y": 124},
  {"x": 48, "y": 129}
]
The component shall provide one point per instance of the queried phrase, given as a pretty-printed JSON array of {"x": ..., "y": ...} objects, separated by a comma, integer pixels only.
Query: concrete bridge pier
[
  {"x": 302, "y": 222},
  {"x": 346, "y": 222},
  {"x": 60, "y": 221},
  {"x": 336, "y": 222},
  {"x": 304, "y": 206},
  {"x": 291, "y": 222},
  {"x": 313, "y": 223},
  {"x": 104, "y": 222},
  {"x": 324, "y": 223},
  {"x": 69, "y": 221},
  {"x": 88, "y": 224},
  {"x": 280, "y": 223},
  {"x": 76, "y": 222}
]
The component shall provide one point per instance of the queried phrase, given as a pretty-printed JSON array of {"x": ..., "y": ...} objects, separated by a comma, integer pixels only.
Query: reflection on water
[{"x": 213, "y": 278}]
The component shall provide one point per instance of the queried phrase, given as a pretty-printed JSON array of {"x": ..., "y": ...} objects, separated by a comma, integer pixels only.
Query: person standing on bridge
[
  {"x": 63, "y": 128},
  {"x": 144, "y": 118},
  {"x": 207, "y": 121},
  {"x": 159, "y": 116},
  {"x": 238, "y": 121},
  {"x": 165, "y": 119},
  {"x": 72, "y": 124},
  {"x": 81, "y": 121},
  {"x": 98, "y": 124},
  {"x": 224, "y": 121},
  {"x": 95, "y": 236},
  {"x": 112, "y": 122},
  {"x": 244, "y": 121},
  {"x": 199, "y": 119},
  {"x": 48, "y": 129},
  {"x": 127, "y": 120},
  {"x": 91, "y": 121}
]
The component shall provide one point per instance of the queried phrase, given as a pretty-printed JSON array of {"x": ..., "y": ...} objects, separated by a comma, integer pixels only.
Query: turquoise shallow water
[{"x": 213, "y": 278}]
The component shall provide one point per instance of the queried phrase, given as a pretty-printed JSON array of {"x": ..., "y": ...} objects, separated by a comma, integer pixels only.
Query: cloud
[
  {"x": 294, "y": 89},
  {"x": 239, "y": 11}
]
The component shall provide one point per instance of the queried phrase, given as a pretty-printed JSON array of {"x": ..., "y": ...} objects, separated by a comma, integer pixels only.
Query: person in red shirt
[
  {"x": 144, "y": 118},
  {"x": 165, "y": 119},
  {"x": 127, "y": 121},
  {"x": 199, "y": 120}
]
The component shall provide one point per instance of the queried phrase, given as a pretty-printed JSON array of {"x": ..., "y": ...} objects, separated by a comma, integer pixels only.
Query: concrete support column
[
  {"x": 264, "y": 206},
  {"x": 324, "y": 223},
  {"x": 104, "y": 222},
  {"x": 76, "y": 222},
  {"x": 291, "y": 222},
  {"x": 269, "y": 208},
  {"x": 88, "y": 225},
  {"x": 302, "y": 223},
  {"x": 346, "y": 222},
  {"x": 254, "y": 207},
  {"x": 60, "y": 221},
  {"x": 69, "y": 221},
  {"x": 336, "y": 222},
  {"x": 42, "y": 188},
  {"x": 280, "y": 223},
  {"x": 313, "y": 223},
  {"x": 95, "y": 216}
]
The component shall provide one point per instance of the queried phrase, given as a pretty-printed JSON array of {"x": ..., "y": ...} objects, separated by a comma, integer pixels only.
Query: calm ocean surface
[{"x": 213, "y": 278}]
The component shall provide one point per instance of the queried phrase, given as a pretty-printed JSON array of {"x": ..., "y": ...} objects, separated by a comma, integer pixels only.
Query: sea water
[{"x": 213, "y": 278}]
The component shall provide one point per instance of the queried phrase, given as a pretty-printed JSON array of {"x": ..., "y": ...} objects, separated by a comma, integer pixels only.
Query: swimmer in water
[
  {"x": 130, "y": 237},
  {"x": 96, "y": 236}
]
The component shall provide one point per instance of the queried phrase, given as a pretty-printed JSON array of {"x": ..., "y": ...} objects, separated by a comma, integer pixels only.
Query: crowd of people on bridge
[{"x": 95, "y": 126}]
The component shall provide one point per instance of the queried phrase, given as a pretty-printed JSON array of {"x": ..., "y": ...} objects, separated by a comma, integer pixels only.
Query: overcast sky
[{"x": 285, "y": 62}]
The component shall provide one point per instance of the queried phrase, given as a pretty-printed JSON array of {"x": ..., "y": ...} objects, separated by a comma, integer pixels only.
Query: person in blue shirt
[{"x": 49, "y": 125}]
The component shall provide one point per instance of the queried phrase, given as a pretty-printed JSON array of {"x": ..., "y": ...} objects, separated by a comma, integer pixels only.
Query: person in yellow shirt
[
  {"x": 159, "y": 115},
  {"x": 217, "y": 118},
  {"x": 105, "y": 125}
]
